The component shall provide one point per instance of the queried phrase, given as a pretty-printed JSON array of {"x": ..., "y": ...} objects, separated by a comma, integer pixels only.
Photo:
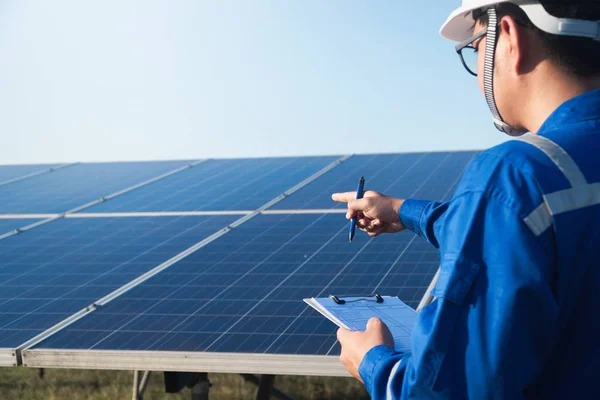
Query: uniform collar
[{"x": 580, "y": 108}]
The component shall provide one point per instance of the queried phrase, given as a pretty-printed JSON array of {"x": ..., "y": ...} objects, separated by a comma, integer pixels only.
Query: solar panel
[
  {"x": 54, "y": 270},
  {"x": 233, "y": 305},
  {"x": 10, "y": 224},
  {"x": 73, "y": 186},
  {"x": 242, "y": 184},
  {"x": 10, "y": 172},
  {"x": 397, "y": 175},
  {"x": 242, "y": 293}
]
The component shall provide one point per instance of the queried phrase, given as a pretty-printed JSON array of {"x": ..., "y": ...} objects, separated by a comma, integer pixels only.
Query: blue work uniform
[{"x": 516, "y": 313}]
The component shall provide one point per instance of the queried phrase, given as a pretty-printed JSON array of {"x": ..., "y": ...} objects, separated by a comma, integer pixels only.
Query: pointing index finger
[{"x": 343, "y": 197}]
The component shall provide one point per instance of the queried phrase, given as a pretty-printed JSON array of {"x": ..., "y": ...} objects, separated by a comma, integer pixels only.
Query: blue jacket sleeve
[{"x": 493, "y": 322}]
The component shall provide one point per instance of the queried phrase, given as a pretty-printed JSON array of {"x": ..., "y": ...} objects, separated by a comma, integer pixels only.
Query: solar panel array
[{"x": 199, "y": 258}]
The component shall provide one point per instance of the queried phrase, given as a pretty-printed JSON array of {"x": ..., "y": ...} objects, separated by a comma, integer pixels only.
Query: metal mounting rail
[
  {"x": 158, "y": 214},
  {"x": 306, "y": 211},
  {"x": 28, "y": 216},
  {"x": 31, "y": 226},
  {"x": 36, "y": 173},
  {"x": 152, "y": 214}
]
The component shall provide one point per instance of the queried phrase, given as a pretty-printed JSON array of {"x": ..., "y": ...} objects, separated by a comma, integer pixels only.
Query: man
[{"x": 517, "y": 303}]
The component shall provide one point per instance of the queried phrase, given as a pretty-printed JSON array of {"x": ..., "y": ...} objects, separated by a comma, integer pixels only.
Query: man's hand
[
  {"x": 376, "y": 213},
  {"x": 356, "y": 344}
]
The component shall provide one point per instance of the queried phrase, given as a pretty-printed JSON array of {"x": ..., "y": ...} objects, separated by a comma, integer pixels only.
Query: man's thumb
[{"x": 374, "y": 323}]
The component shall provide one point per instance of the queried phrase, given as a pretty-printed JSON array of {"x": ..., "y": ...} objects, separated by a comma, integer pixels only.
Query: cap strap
[
  {"x": 488, "y": 75},
  {"x": 488, "y": 67}
]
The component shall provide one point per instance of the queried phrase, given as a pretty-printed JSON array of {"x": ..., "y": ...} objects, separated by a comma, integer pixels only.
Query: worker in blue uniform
[{"x": 516, "y": 309}]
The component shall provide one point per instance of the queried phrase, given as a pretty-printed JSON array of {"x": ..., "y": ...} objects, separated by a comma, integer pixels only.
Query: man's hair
[{"x": 575, "y": 55}]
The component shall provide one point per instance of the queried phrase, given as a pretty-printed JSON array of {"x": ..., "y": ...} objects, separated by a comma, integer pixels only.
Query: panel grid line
[{"x": 31, "y": 175}]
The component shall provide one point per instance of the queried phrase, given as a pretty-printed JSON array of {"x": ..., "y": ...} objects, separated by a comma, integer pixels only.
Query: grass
[{"x": 24, "y": 383}]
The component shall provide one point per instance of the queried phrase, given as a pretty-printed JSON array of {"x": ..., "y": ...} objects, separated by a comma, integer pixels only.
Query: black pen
[{"x": 359, "y": 195}]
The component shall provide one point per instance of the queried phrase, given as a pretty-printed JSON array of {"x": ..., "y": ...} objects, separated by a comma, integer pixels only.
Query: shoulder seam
[
  {"x": 496, "y": 192},
  {"x": 509, "y": 206}
]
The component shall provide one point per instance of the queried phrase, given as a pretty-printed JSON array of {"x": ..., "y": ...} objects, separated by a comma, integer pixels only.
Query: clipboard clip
[{"x": 337, "y": 300}]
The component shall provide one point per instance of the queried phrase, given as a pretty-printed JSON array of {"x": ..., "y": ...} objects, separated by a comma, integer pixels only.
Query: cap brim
[{"x": 459, "y": 25}]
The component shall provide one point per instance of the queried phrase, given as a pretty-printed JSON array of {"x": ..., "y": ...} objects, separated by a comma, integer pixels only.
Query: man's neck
[{"x": 549, "y": 90}]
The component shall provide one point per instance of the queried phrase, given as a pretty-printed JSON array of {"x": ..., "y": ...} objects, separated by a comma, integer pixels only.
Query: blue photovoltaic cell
[
  {"x": 415, "y": 175},
  {"x": 9, "y": 172},
  {"x": 73, "y": 186},
  {"x": 56, "y": 269},
  {"x": 243, "y": 292},
  {"x": 8, "y": 225},
  {"x": 241, "y": 184}
]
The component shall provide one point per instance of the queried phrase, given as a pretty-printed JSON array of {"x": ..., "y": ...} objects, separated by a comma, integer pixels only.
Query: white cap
[{"x": 459, "y": 25}]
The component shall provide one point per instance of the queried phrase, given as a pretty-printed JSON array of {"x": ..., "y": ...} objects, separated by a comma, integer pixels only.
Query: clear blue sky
[{"x": 123, "y": 80}]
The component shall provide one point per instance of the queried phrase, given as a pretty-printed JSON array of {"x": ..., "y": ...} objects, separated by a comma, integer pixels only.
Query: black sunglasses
[{"x": 468, "y": 53}]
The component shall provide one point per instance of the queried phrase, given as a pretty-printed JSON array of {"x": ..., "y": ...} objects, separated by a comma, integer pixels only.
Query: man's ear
[{"x": 515, "y": 46}]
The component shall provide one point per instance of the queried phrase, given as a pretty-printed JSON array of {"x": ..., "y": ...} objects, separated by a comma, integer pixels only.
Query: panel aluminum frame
[{"x": 232, "y": 363}]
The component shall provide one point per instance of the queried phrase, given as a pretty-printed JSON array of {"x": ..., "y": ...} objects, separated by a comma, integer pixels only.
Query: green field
[{"x": 24, "y": 383}]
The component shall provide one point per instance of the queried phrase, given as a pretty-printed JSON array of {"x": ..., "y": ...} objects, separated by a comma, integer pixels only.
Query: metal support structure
[
  {"x": 41, "y": 373},
  {"x": 136, "y": 378},
  {"x": 197, "y": 381},
  {"x": 275, "y": 393},
  {"x": 139, "y": 384},
  {"x": 201, "y": 387},
  {"x": 265, "y": 387},
  {"x": 428, "y": 297},
  {"x": 144, "y": 382}
]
